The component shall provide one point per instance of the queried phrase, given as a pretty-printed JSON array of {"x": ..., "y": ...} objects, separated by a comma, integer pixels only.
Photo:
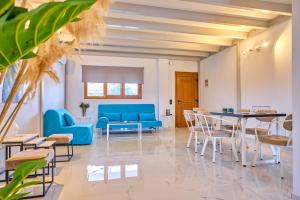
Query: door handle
[{"x": 179, "y": 101}]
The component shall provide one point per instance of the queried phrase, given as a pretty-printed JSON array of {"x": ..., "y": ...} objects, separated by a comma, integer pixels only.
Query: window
[
  {"x": 112, "y": 91},
  {"x": 95, "y": 89},
  {"x": 131, "y": 89}
]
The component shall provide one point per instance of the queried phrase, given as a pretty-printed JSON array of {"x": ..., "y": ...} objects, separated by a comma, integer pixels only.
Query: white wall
[
  {"x": 265, "y": 75},
  {"x": 75, "y": 87},
  {"x": 296, "y": 99},
  {"x": 28, "y": 118},
  {"x": 220, "y": 71},
  {"x": 158, "y": 89},
  {"x": 54, "y": 93}
]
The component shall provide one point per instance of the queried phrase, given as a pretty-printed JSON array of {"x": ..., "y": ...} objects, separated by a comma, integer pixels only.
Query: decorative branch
[{"x": 33, "y": 70}]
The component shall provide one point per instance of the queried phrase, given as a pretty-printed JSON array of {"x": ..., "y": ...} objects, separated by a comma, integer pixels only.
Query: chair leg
[
  {"x": 278, "y": 155},
  {"x": 190, "y": 139},
  {"x": 214, "y": 140},
  {"x": 258, "y": 146},
  {"x": 220, "y": 142},
  {"x": 273, "y": 151},
  {"x": 204, "y": 146},
  {"x": 260, "y": 152},
  {"x": 234, "y": 150},
  {"x": 240, "y": 144},
  {"x": 196, "y": 142},
  {"x": 281, "y": 169}
]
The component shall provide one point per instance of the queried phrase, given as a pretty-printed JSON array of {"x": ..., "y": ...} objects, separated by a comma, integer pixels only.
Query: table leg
[
  {"x": 243, "y": 137},
  {"x": 107, "y": 132},
  {"x": 277, "y": 149}
]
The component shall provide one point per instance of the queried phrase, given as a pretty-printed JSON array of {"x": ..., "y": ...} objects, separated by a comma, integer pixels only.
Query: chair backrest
[
  {"x": 199, "y": 109},
  {"x": 206, "y": 122},
  {"x": 265, "y": 119},
  {"x": 243, "y": 110},
  {"x": 202, "y": 111},
  {"x": 189, "y": 118},
  {"x": 288, "y": 123},
  {"x": 54, "y": 120}
]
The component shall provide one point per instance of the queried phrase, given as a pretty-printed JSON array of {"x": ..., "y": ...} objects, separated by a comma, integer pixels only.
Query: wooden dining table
[{"x": 243, "y": 118}]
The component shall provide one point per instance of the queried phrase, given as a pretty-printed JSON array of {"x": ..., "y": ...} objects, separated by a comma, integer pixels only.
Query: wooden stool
[
  {"x": 32, "y": 144},
  {"x": 63, "y": 140},
  {"x": 49, "y": 145},
  {"x": 32, "y": 155}
]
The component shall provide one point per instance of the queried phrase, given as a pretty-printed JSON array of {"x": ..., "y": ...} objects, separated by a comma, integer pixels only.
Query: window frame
[{"x": 122, "y": 96}]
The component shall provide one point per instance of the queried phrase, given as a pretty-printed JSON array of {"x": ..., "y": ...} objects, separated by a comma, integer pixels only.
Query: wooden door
[{"x": 186, "y": 95}]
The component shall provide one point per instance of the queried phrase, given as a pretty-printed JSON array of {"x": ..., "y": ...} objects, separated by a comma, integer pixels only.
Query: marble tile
[{"x": 160, "y": 167}]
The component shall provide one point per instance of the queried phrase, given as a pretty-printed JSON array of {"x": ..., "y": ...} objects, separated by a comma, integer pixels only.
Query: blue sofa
[
  {"x": 60, "y": 121},
  {"x": 144, "y": 113}
]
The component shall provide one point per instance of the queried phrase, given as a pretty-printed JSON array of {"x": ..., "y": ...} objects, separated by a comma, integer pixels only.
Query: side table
[{"x": 84, "y": 120}]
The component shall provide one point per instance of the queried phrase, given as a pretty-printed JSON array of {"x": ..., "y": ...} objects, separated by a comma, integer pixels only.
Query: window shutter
[{"x": 109, "y": 74}]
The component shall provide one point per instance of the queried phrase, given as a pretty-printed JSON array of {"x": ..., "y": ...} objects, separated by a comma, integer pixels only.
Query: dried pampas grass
[
  {"x": 91, "y": 26},
  {"x": 47, "y": 54},
  {"x": 32, "y": 71}
]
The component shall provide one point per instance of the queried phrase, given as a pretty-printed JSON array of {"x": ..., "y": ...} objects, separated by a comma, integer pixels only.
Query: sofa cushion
[
  {"x": 130, "y": 117},
  {"x": 113, "y": 116},
  {"x": 147, "y": 117},
  {"x": 69, "y": 120},
  {"x": 151, "y": 124}
]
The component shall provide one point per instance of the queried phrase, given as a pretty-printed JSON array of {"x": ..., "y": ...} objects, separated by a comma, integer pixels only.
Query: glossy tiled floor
[{"x": 161, "y": 168}]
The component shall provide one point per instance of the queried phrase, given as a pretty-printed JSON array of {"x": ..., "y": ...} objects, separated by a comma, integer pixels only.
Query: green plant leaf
[
  {"x": 15, "y": 11},
  {"x": 29, "y": 55},
  {"x": 20, "y": 35},
  {"x": 28, "y": 184},
  {"x": 20, "y": 174},
  {"x": 18, "y": 196},
  {"x": 5, "y": 5}
]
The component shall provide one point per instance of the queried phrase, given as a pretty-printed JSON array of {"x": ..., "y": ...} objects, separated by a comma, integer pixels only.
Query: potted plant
[
  {"x": 35, "y": 37},
  {"x": 84, "y": 107}
]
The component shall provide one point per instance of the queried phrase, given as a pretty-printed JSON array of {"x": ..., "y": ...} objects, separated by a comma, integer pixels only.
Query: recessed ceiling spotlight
[
  {"x": 265, "y": 11},
  {"x": 265, "y": 44},
  {"x": 258, "y": 48}
]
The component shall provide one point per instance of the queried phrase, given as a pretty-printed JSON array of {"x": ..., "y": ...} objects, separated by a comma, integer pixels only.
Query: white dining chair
[
  {"x": 214, "y": 132},
  {"x": 278, "y": 140},
  {"x": 263, "y": 127},
  {"x": 194, "y": 128}
]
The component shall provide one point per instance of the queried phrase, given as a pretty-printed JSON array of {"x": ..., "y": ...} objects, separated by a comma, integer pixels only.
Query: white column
[
  {"x": 163, "y": 86},
  {"x": 296, "y": 99}
]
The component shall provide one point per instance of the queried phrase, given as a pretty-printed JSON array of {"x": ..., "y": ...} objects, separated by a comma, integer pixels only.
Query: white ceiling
[{"x": 185, "y": 28}]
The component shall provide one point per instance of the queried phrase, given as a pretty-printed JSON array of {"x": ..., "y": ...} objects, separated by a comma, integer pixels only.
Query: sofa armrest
[{"x": 103, "y": 120}]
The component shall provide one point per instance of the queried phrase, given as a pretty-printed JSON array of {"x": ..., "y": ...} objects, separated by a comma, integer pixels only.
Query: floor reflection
[{"x": 111, "y": 172}]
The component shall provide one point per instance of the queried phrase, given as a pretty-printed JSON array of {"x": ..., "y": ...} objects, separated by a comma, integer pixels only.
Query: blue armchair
[{"x": 61, "y": 121}]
